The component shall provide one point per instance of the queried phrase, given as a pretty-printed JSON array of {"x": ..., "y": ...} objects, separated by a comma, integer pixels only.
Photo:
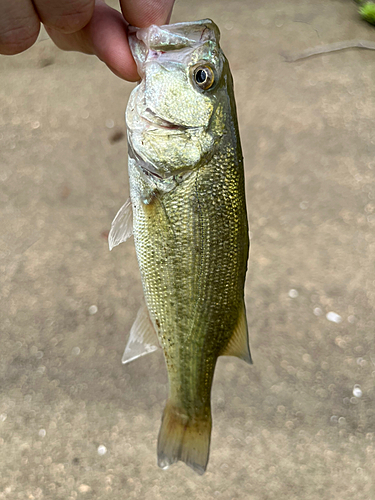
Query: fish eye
[{"x": 204, "y": 77}]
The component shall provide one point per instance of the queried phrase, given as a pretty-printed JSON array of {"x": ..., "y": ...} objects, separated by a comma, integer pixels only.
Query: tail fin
[{"x": 184, "y": 438}]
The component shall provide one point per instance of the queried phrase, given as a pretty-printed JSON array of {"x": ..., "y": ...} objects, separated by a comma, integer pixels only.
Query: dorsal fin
[
  {"x": 142, "y": 339},
  {"x": 122, "y": 225},
  {"x": 238, "y": 344}
]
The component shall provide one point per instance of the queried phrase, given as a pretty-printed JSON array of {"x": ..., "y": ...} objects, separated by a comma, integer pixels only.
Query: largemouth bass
[{"x": 188, "y": 215}]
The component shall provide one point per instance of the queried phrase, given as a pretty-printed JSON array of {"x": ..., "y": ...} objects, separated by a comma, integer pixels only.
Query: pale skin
[{"x": 88, "y": 26}]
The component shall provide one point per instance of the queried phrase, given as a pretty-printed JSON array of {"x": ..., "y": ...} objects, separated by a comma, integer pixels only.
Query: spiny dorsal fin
[
  {"x": 142, "y": 339},
  {"x": 122, "y": 225},
  {"x": 239, "y": 342}
]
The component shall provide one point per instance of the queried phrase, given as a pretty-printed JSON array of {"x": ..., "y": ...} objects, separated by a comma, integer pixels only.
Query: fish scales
[
  {"x": 189, "y": 222},
  {"x": 196, "y": 300}
]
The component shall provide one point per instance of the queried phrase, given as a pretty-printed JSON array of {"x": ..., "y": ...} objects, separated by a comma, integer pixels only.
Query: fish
[{"x": 187, "y": 212}]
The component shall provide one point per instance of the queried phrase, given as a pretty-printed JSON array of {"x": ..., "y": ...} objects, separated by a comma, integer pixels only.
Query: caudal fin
[{"x": 184, "y": 438}]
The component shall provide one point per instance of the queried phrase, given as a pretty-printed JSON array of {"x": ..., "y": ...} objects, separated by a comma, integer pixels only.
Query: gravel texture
[{"x": 300, "y": 423}]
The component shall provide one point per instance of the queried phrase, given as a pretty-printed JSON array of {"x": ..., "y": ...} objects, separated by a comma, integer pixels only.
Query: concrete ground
[{"x": 300, "y": 424}]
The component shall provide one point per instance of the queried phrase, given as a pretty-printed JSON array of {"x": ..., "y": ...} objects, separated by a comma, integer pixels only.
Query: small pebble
[
  {"x": 357, "y": 391},
  {"x": 102, "y": 450},
  {"x": 318, "y": 311},
  {"x": 93, "y": 309},
  {"x": 42, "y": 433},
  {"x": 293, "y": 293},
  {"x": 84, "y": 488},
  {"x": 334, "y": 317},
  {"x": 76, "y": 351}
]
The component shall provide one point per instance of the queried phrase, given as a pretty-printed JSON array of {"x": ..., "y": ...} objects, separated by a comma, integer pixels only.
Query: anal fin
[
  {"x": 238, "y": 344},
  {"x": 122, "y": 225},
  {"x": 142, "y": 339}
]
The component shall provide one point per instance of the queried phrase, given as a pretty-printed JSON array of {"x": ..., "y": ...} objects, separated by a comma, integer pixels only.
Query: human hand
[{"x": 88, "y": 26}]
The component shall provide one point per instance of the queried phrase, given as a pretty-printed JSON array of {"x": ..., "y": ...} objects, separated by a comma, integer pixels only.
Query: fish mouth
[{"x": 153, "y": 119}]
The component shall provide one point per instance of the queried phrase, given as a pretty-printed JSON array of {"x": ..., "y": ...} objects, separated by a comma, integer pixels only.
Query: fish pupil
[{"x": 201, "y": 76}]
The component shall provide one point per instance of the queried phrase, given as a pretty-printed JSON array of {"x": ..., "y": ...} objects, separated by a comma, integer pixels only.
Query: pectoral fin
[
  {"x": 142, "y": 339},
  {"x": 122, "y": 225},
  {"x": 239, "y": 342}
]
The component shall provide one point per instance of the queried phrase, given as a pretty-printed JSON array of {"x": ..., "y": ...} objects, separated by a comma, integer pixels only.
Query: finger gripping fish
[{"x": 188, "y": 215}]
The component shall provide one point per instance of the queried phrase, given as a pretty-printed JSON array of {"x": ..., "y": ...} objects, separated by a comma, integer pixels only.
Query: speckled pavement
[{"x": 300, "y": 423}]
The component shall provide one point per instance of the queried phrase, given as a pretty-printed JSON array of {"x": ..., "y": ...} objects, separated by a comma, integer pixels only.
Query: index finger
[
  {"x": 19, "y": 26},
  {"x": 68, "y": 16},
  {"x": 106, "y": 37}
]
